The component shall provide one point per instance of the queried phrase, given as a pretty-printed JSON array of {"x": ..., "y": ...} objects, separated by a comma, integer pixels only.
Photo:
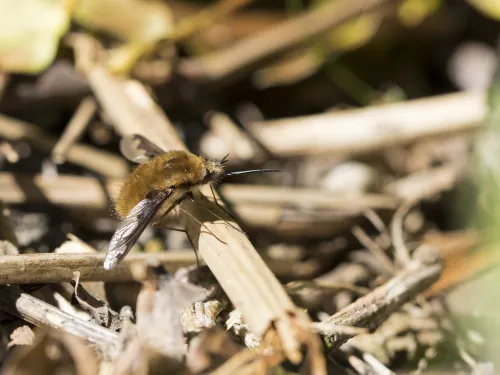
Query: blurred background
[{"x": 383, "y": 114}]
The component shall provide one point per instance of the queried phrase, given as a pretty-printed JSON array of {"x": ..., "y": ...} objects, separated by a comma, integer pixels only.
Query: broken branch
[
  {"x": 41, "y": 314},
  {"x": 372, "y": 309},
  {"x": 372, "y": 128},
  {"x": 57, "y": 268}
]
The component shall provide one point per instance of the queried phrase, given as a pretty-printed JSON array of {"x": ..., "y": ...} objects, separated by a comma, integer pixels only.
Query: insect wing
[
  {"x": 138, "y": 148},
  {"x": 132, "y": 227}
]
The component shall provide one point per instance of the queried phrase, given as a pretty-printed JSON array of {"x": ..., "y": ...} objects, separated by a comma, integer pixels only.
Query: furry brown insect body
[
  {"x": 177, "y": 170},
  {"x": 163, "y": 179}
]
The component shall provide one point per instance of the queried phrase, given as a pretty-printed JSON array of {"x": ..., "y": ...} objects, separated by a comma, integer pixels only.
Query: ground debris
[
  {"x": 365, "y": 254},
  {"x": 99, "y": 310}
]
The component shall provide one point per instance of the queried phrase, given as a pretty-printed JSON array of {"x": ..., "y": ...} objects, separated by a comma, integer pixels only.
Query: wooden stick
[
  {"x": 307, "y": 198},
  {"x": 372, "y": 128},
  {"x": 41, "y": 314},
  {"x": 104, "y": 163},
  {"x": 372, "y": 309},
  {"x": 424, "y": 184},
  {"x": 285, "y": 36},
  {"x": 57, "y": 268},
  {"x": 242, "y": 273},
  {"x": 74, "y": 129}
]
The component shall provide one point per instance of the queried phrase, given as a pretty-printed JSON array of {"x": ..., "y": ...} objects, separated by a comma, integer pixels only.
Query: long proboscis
[{"x": 252, "y": 171}]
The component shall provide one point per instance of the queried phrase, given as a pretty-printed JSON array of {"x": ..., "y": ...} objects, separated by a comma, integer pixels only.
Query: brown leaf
[
  {"x": 96, "y": 308},
  {"x": 158, "y": 313},
  {"x": 156, "y": 344}
]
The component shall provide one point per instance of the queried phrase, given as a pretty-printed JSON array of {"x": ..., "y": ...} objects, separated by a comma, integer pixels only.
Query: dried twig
[
  {"x": 41, "y": 314},
  {"x": 372, "y": 309},
  {"x": 424, "y": 184},
  {"x": 74, "y": 129},
  {"x": 372, "y": 128},
  {"x": 228, "y": 252},
  {"x": 57, "y": 268},
  {"x": 307, "y": 198},
  {"x": 401, "y": 252},
  {"x": 284, "y": 37},
  {"x": 374, "y": 248},
  {"x": 104, "y": 163}
]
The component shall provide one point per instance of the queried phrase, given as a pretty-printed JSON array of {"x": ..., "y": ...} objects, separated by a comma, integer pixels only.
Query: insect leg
[
  {"x": 194, "y": 249},
  {"x": 187, "y": 235},
  {"x": 214, "y": 214},
  {"x": 163, "y": 215},
  {"x": 175, "y": 229},
  {"x": 221, "y": 207},
  {"x": 201, "y": 224}
]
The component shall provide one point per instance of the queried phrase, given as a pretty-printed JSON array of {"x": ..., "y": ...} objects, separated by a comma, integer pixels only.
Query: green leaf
[
  {"x": 490, "y": 8},
  {"x": 413, "y": 12},
  {"x": 30, "y": 31}
]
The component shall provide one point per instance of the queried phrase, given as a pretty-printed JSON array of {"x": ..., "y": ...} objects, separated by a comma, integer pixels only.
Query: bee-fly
[{"x": 163, "y": 179}]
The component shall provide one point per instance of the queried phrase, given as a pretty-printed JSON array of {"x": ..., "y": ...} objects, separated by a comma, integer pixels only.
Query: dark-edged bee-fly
[{"x": 162, "y": 179}]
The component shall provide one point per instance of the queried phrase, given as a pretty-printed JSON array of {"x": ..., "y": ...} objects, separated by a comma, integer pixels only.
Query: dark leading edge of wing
[{"x": 132, "y": 227}]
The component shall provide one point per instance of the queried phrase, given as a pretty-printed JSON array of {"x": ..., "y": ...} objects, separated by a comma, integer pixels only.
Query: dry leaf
[
  {"x": 29, "y": 33},
  {"x": 158, "y": 314},
  {"x": 96, "y": 308},
  {"x": 156, "y": 344}
]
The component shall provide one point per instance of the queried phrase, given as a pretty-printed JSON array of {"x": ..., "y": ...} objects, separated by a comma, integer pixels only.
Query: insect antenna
[
  {"x": 227, "y": 174},
  {"x": 224, "y": 159}
]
